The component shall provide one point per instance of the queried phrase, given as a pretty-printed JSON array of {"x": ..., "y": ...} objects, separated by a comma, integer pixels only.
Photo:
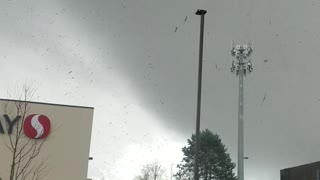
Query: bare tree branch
[
  {"x": 24, "y": 150},
  {"x": 151, "y": 171}
]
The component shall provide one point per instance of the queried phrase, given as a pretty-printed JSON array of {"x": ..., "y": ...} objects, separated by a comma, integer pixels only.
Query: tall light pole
[
  {"x": 196, "y": 155},
  {"x": 242, "y": 66}
]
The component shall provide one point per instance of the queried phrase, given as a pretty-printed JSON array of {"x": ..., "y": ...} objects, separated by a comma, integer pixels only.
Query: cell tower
[{"x": 242, "y": 66}]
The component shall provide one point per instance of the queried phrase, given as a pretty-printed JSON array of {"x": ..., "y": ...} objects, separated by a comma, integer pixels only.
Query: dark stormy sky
[{"x": 135, "y": 61}]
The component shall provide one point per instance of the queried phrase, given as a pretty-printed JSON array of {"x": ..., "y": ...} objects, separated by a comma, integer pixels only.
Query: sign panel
[{"x": 63, "y": 132}]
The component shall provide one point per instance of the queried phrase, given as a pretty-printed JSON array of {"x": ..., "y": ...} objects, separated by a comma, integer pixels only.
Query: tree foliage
[{"x": 214, "y": 161}]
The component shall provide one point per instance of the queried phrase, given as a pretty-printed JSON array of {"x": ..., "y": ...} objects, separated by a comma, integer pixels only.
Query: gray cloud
[{"x": 162, "y": 65}]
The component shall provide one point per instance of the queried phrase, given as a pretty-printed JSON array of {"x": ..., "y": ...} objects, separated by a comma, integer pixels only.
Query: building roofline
[
  {"x": 301, "y": 166},
  {"x": 51, "y": 104}
]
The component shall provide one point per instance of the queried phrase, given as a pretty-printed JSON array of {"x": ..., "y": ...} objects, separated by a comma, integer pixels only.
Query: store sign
[
  {"x": 9, "y": 124},
  {"x": 36, "y": 126}
]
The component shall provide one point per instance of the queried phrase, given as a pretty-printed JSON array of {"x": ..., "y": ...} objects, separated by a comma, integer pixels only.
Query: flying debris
[
  {"x": 175, "y": 30},
  {"x": 266, "y": 60},
  {"x": 185, "y": 19},
  {"x": 264, "y": 98}
]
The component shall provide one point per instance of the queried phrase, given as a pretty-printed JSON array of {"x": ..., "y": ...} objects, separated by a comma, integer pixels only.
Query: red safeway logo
[{"x": 36, "y": 126}]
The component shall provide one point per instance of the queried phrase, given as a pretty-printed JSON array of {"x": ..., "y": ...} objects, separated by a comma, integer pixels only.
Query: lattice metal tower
[{"x": 242, "y": 66}]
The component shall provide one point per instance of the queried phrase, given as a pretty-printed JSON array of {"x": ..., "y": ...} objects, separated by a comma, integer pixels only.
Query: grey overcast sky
[{"x": 136, "y": 62}]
